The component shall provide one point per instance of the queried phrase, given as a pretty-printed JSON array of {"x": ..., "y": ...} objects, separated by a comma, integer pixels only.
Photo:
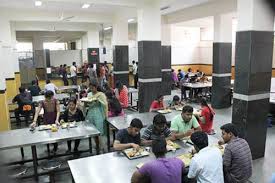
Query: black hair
[
  {"x": 34, "y": 82},
  {"x": 109, "y": 94},
  {"x": 159, "y": 119},
  {"x": 73, "y": 100},
  {"x": 229, "y": 127},
  {"x": 61, "y": 65},
  {"x": 200, "y": 139},
  {"x": 159, "y": 147},
  {"x": 204, "y": 103},
  {"x": 65, "y": 65},
  {"x": 49, "y": 94},
  {"x": 136, "y": 123},
  {"x": 114, "y": 104},
  {"x": 172, "y": 70},
  {"x": 119, "y": 86},
  {"x": 158, "y": 97},
  {"x": 179, "y": 70},
  {"x": 74, "y": 63},
  {"x": 22, "y": 89},
  {"x": 176, "y": 98},
  {"x": 189, "y": 70},
  {"x": 48, "y": 81},
  {"x": 187, "y": 108},
  {"x": 133, "y": 61}
]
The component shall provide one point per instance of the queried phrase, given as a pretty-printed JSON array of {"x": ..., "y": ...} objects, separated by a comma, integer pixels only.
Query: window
[{"x": 55, "y": 46}]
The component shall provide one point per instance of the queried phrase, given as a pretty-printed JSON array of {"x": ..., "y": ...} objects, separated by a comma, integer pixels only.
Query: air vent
[{"x": 164, "y": 8}]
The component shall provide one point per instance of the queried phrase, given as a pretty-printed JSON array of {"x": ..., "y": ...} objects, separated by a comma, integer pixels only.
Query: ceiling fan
[{"x": 65, "y": 19}]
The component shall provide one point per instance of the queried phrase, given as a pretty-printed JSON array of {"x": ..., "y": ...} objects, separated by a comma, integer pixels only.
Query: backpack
[{"x": 26, "y": 102}]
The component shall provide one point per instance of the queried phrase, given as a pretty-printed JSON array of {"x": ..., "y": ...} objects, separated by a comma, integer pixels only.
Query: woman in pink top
[{"x": 121, "y": 93}]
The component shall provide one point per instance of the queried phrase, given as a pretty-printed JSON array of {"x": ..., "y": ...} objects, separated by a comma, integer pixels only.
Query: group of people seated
[
  {"x": 109, "y": 102},
  {"x": 204, "y": 116},
  {"x": 207, "y": 164},
  {"x": 182, "y": 78}
]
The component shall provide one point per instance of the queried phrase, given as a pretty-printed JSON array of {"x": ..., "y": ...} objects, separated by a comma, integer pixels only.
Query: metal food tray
[{"x": 142, "y": 154}]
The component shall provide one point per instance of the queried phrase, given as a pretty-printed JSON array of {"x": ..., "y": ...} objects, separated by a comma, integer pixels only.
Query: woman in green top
[{"x": 98, "y": 109}]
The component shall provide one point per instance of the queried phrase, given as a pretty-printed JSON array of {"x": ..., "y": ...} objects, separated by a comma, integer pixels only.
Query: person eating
[
  {"x": 158, "y": 129},
  {"x": 184, "y": 124},
  {"x": 129, "y": 137}
]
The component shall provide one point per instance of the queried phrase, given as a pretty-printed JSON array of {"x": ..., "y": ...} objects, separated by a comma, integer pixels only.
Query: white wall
[
  {"x": 59, "y": 57},
  {"x": 184, "y": 42}
]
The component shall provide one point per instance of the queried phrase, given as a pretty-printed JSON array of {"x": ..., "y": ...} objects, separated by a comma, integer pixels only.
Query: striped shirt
[
  {"x": 151, "y": 134},
  {"x": 237, "y": 159}
]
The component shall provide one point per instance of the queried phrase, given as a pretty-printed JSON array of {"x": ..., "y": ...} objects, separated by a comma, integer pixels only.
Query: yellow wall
[
  {"x": 206, "y": 68},
  {"x": 17, "y": 80},
  {"x": 11, "y": 89},
  {"x": 4, "y": 113},
  {"x": 58, "y": 82}
]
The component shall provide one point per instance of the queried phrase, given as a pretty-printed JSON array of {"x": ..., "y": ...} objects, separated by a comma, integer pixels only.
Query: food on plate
[
  {"x": 135, "y": 152},
  {"x": 186, "y": 158},
  {"x": 164, "y": 111}
]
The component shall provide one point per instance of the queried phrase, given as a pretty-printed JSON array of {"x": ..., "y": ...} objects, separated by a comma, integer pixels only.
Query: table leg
[
  {"x": 131, "y": 94},
  {"x": 35, "y": 162},
  {"x": 90, "y": 145},
  {"x": 22, "y": 152},
  {"x": 108, "y": 137},
  {"x": 97, "y": 147}
]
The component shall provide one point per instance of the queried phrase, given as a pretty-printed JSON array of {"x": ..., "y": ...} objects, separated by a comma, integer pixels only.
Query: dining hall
[{"x": 140, "y": 91}]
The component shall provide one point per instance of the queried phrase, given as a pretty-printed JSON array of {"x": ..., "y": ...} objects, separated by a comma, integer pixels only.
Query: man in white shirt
[
  {"x": 73, "y": 73},
  {"x": 135, "y": 73},
  {"x": 207, "y": 164},
  {"x": 50, "y": 86}
]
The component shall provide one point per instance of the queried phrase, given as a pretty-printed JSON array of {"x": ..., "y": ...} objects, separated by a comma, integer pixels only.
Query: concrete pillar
[
  {"x": 254, "y": 50},
  {"x": 120, "y": 49},
  {"x": 93, "y": 45},
  {"x": 166, "y": 57},
  {"x": 84, "y": 46},
  {"x": 7, "y": 57},
  {"x": 149, "y": 53},
  {"x": 15, "y": 57},
  {"x": 7, "y": 81},
  {"x": 222, "y": 56}
]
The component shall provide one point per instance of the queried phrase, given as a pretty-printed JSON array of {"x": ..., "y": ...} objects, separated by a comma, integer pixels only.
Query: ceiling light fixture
[
  {"x": 131, "y": 20},
  {"x": 107, "y": 28},
  {"x": 85, "y": 5},
  {"x": 38, "y": 3}
]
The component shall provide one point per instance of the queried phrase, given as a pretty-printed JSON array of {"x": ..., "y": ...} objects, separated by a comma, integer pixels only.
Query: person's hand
[
  {"x": 33, "y": 125},
  {"x": 135, "y": 146},
  {"x": 193, "y": 151},
  {"x": 221, "y": 142},
  {"x": 189, "y": 133},
  {"x": 57, "y": 123},
  {"x": 173, "y": 137}
]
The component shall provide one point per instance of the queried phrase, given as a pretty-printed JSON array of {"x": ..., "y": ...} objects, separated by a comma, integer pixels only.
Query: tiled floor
[{"x": 262, "y": 168}]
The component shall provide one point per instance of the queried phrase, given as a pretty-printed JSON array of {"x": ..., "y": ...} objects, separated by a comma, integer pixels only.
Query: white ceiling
[{"x": 72, "y": 7}]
